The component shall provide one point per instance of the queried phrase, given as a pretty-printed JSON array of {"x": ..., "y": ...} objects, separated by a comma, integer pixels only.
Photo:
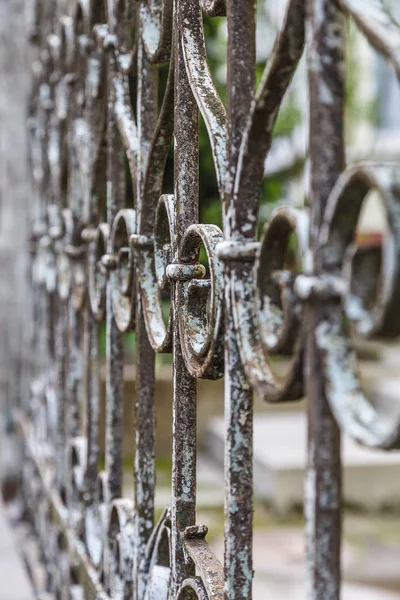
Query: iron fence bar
[
  {"x": 238, "y": 564},
  {"x": 114, "y": 337},
  {"x": 184, "y": 394},
  {"x": 323, "y": 479},
  {"x": 144, "y": 470}
]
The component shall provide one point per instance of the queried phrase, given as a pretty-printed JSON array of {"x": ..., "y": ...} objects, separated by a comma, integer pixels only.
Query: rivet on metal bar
[
  {"x": 195, "y": 532},
  {"x": 38, "y": 230},
  {"x": 179, "y": 272},
  {"x": 100, "y": 32},
  {"x": 283, "y": 278},
  {"x": 71, "y": 78},
  {"x": 141, "y": 242},
  {"x": 126, "y": 62},
  {"x": 202, "y": 286},
  {"x": 85, "y": 44},
  {"x": 109, "y": 262},
  {"x": 322, "y": 287},
  {"x": 110, "y": 42},
  {"x": 44, "y": 241},
  {"x": 74, "y": 251},
  {"x": 56, "y": 232},
  {"x": 237, "y": 251},
  {"x": 88, "y": 234}
]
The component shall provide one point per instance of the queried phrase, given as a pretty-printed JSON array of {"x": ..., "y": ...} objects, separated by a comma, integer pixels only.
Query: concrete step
[
  {"x": 371, "y": 477},
  {"x": 279, "y": 567}
]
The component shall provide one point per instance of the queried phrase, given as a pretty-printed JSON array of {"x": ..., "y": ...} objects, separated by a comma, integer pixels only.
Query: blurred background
[{"x": 371, "y": 548}]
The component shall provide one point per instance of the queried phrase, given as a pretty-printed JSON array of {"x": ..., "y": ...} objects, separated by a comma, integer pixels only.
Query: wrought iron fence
[{"x": 96, "y": 259}]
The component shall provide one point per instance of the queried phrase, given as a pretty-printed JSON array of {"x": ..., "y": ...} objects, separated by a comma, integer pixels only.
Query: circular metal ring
[
  {"x": 200, "y": 305},
  {"x": 77, "y": 455},
  {"x": 382, "y": 317},
  {"x": 157, "y": 561},
  {"x": 119, "y": 551},
  {"x": 356, "y": 416},
  {"x": 121, "y": 278},
  {"x": 97, "y": 274},
  {"x": 64, "y": 273},
  {"x": 267, "y": 315},
  {"x": 96, "y": 514},
  {"x": 279, "y": 311},
  {"x": 192, "y": 589},
  {"x": 153, "y": 280}
]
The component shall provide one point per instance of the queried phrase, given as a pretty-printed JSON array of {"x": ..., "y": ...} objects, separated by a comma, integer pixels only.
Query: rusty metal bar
[{"x": 323, "y": 478}]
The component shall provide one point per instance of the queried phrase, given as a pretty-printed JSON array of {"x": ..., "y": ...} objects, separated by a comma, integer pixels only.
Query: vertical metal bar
[
  {"x": 92, "y": 377},
  {"x": 114, "y": 338},
  {"x": 238, "y": 563},
  {"x": 184, "y": 386},
  {"x": 75, "y": 317},
  {"x": 240, "y": 93},
  {"x": 61, "y": 358},
  {"x": 75, "y": 372},
  {"x": 145, "y": 360},
  {"x": 323, "y": 479}
]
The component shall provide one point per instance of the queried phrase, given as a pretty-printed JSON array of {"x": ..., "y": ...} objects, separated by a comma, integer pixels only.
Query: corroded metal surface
[{"x": 102, "y": 259}]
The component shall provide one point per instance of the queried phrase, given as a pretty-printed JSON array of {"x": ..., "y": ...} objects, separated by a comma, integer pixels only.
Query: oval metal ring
[
  {"x": 97, "y": 274},
  {"x": 77, "y": 252},
  {"x": 356, "y": 416},
  {"x": 154, "y": 259},
  {"x": 267, "y": 315},
  {"x": 278, "y": 306},
  {"x": 119, "y": 552},
  {"x": 49, "y": 264},
  {"x": 193, "y": 589},
  {"x": 157, "y": 560},
  {"x": 96, "y": 514},
  {"x": 64, "y": 273},
  {"x": 77, "y": 454},
  {"x": 121, "y": 277},
  {"x": 200, "y": 305},
  {"x": 383, "y": 317}
]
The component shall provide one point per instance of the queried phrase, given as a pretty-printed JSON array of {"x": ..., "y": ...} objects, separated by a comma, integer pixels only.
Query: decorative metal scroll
[{"x": 96, "y": 259}]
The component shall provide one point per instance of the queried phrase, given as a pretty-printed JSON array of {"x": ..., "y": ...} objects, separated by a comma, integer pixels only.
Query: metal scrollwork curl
[
  {"x": 96, "y": 520},
  {"x": 120, "y": 264},
  {"x": 157, "y": 560},
  {"x": 267, "y": 315},
  {"x": 154, "y": 259},
  {"x": 118, "y": 556},
  {"x": 97, "y": 273},
  {"x": 353, "y": 411}
]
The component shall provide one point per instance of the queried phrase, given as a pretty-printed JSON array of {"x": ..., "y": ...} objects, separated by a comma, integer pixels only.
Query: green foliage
[{"x": 288, "y": 118}]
